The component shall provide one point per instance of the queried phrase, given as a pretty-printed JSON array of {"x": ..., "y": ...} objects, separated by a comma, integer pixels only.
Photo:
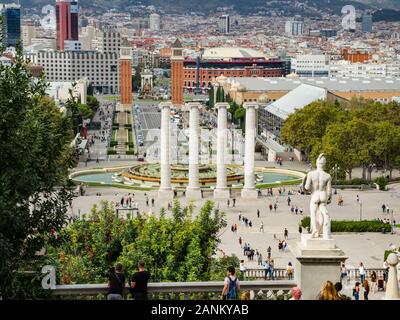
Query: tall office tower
[
  {"x": 74, "y": 20},
  {"x": 224, "y": 24},
  {"x": 67, "y": 22},
  {"x": 155, "y": 22},
  {"x": 366, "y": 24},
  {"x": 11, "y": 14},
  {"x": 294, "y": 28},
  {"x": 125, "y": 67},
  {"x": 28, "y": 33},
  {"x": 177, "y": 73}
]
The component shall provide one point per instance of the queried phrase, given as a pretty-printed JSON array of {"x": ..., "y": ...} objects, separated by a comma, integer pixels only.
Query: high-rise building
[
  {"x": 294, "y": 28},
  {"x": 366, "y": 24},
  {"x": 28, "y": 33},
  {"x": 11, "y": 14},
  {"x": 109, "y": 41},
  {"x": 177, "y": 73},
  {"x": 155, "y": 22},
  {"x": 125, "y": 67},
  {"x": 224, "y": 24},
  {"x": 67, "y": 22}
]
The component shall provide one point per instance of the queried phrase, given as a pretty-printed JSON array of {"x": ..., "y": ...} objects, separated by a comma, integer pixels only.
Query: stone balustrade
[
  {"x": 280, "y": 274},
  {"x": 263, "y": 290}
]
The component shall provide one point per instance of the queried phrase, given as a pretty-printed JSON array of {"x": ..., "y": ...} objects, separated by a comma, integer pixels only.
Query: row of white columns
[{"x": 221, "y": 190}]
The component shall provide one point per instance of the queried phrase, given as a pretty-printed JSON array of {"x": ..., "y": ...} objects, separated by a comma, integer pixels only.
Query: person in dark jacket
[{"x": 116, "y": 283}]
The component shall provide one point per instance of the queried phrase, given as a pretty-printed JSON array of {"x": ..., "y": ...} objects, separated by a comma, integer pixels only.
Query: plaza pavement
[{"x": 366, "y": 247}]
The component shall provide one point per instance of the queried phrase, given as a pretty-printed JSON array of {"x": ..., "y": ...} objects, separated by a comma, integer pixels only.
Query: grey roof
[
  {"x": 299, "y": 97},
  {"x": 331, "y": 84}
]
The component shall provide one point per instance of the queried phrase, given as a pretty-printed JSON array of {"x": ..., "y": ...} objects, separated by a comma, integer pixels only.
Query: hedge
[
  {"x": 353, "y": 226},
  {"x": 111, "y": 151},
  {"x": 355, "y": 181}
]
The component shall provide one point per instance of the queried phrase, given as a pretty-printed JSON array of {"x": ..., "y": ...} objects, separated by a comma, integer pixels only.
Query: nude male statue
[{"x": 318, "y": 182}]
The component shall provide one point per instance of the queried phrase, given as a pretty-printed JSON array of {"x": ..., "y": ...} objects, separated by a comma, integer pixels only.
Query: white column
[
  {"x": 165, "y": 191},
  {"x": 249, "y": 191},
  {"x": 193, "y": 190},
  {"x": 392, "y": 286},
  {"x": 221, "y": 190}
]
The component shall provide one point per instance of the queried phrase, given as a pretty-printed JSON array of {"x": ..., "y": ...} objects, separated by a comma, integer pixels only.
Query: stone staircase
[{"x": 123, "y": 118}]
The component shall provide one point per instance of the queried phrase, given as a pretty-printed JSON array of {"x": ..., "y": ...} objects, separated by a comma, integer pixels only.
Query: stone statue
[{"x": 318, "y": 182}]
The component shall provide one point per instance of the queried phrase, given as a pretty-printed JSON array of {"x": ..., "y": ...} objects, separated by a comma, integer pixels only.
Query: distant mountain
[
  {"x": 282, "y": 7},
  {"x": 382, "y": 4}
]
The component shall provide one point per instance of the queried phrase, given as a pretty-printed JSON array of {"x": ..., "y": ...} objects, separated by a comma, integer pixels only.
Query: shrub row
[
  {"x": 355, "y": 181},
  {"x": 111, "y": 151},
  {"x": 353, "y": 226}
]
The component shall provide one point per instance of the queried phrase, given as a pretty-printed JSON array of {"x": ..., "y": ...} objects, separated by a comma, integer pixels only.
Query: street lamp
[
  {"x": 233, "y": 143},
  {"x": 360, "y": 203}
]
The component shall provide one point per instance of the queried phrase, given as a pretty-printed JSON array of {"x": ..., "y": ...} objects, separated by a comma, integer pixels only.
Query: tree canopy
[
  {"x": 35, "y": 153},
  {"x": 363, "y": 134}
]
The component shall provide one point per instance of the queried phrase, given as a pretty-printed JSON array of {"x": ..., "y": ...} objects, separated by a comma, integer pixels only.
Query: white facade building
[
  {"x": 311, "y": 65},
  {"x": 350, "y": 70},
  {"x": 294, "y": 28},
  {"x": 155, "y": 22},
  {"x": 224, "y": 24},
  {"x": 101, "y": 69}
]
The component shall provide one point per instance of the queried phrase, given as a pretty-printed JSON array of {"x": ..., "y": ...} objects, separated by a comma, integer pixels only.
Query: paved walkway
[{"x": 366, "y": 247}]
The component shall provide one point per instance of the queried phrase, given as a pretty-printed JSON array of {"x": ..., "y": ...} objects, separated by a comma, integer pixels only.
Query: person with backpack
[
  {"x": 231, "y": 285},
  {"x": 289, "y": 271},
  {"x": 116, "y": 283}
]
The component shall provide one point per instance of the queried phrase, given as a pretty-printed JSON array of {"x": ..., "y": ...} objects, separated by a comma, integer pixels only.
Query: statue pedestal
[{"x": 317, "y": 260}]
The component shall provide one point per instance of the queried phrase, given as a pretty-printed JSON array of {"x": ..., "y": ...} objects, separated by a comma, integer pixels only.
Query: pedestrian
[
  {"x": 242, "y": 269},
  {"x": 328, "y": 292},
  {"x": 269, "y": 252},
  {"x": 361, "y": 269},
  {"x": 270, "y": 207},
  {"x": 289, "y": 271},
  {"x": 373, "y": 282},
  {"x": 240, "y": 215},
  {"x": 240, "y": 241},
  {"x": 366, "y": 289},
  {"x": 147, "y": 201},
  {"x": 139, "y": 282},
  {"x": 116, "y": 283},
  {"x": 271, "y": 269},
  {"x": 259, "y": 259},
  {"x": 275, "y": 206},
  {"x": 292, "y": 209},
  {"x": 296, "y": 293},
  {"x": 358, "y": 198},
  {"x": 262, "y": 227},
  {"x": 301, "y": 210},
  {"x": 97, "y": 160},
  {"x": 383, "y": 208},
  {"x": 250, "y": 224},
  {"x": 343, "y": 271},
  {"x": 231, "y": 285},
  {"x": 300, "y": 229},
  {"x": 288, "y": 201},
  {"x": 258, "y": 213},
  {"x": 356, "y": 291},
  {"x": 228, "y": 203},
  {"x": 339, "y": 287},
  {"x": 286, "y": 233},
  {"x": 152, "y": 202},
  {"x": 233, "y": 202},
  {"x": 296, "y": 210}
]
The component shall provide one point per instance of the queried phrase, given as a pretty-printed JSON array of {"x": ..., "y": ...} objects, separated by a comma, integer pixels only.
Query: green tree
[
  {"x": 305, "y": 128},
  {"x": 34, "y": 189}
]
